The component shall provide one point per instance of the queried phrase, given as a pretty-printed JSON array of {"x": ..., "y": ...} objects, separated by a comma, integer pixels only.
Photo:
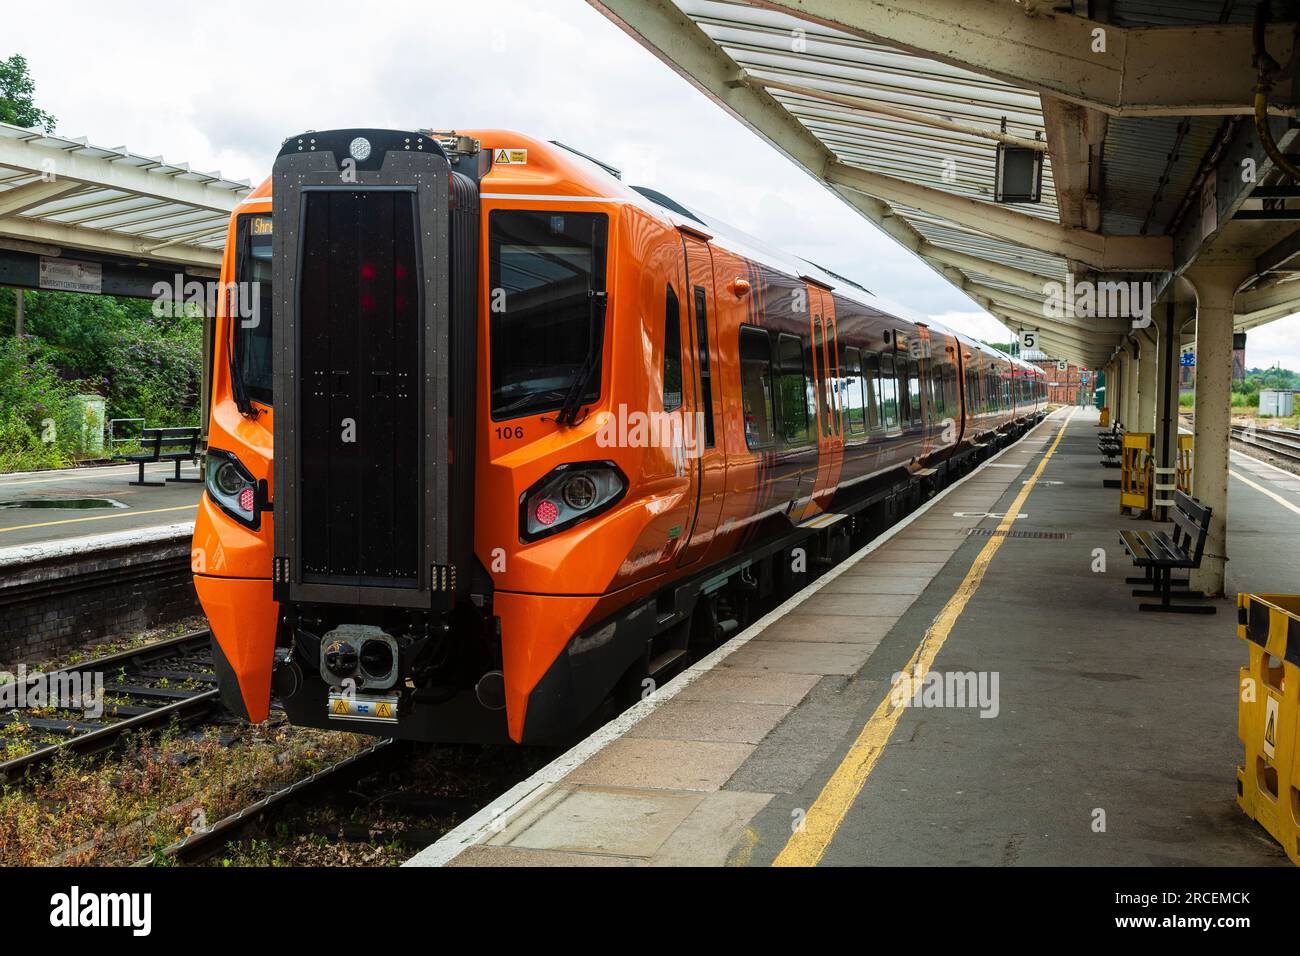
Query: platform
[
  {"x": 143, "y": 507},
  {"x": 1111, "y": 738}
]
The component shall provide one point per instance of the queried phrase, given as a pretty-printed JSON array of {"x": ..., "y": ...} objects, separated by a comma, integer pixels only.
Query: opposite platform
[{"x": 150, "y": 507}]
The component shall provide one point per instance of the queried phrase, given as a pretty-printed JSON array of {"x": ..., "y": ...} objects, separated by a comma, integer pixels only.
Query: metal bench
[
  {"x": 1159, "y": 554},
  {"x": 165, "y": 444},
  {"x": 1109, "y": 443}
]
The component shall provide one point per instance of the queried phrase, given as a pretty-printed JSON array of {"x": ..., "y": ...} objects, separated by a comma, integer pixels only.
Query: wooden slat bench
[
  {"x": 1160, "y": 553},
  {"x": 165, "y": 444}
]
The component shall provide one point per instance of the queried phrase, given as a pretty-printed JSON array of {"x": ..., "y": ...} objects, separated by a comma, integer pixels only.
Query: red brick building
[{"x": 1063, "y": 385}]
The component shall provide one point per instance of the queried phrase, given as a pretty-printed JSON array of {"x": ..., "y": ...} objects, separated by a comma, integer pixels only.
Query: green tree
[{"x": 16, "y": 92}]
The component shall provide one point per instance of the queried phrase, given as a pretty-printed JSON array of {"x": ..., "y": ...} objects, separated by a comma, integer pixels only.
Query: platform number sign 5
[{"x": 1028, "y": 340}]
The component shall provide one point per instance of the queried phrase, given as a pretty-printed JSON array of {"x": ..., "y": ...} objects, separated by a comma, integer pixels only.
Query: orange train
[{"x": 495, "y": 435}]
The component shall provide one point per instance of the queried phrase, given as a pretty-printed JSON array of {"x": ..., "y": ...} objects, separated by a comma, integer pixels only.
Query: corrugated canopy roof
[{"x": 71, "y": 194}]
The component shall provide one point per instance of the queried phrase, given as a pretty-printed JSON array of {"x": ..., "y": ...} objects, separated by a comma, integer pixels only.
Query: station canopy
[
  {"x": 906, "y": 109},
  {"x": 62, "y": 197}
]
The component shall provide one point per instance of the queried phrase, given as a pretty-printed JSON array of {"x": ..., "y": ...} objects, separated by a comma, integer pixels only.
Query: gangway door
[{"x": 363, "y": 323}]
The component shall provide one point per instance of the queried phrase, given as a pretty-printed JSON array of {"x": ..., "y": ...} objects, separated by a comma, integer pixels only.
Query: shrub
[{"x": 40, "y": 424}]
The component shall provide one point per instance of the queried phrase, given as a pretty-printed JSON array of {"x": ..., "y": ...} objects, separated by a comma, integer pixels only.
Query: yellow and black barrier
[
  {"x": 1184, "y": 468},
  {"x": 1136, "y": 466},
  {"x": 1268, "y": 716}
]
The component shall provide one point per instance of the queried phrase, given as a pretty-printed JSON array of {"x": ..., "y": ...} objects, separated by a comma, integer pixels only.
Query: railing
[{"x": 114, "y": 439}]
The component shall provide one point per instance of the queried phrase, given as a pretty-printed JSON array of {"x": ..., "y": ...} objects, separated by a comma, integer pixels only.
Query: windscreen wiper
[
  {"x": 596, "y": 302},
  {"x": 238, "y": 388},
  {"x": 568, "y": 414}
]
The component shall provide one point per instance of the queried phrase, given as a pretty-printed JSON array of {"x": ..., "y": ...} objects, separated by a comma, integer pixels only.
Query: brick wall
[{"x": 58, "y": 596}]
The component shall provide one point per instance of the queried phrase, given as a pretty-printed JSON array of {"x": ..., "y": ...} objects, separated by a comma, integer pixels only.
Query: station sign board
[{"x": 71, "y": 275}]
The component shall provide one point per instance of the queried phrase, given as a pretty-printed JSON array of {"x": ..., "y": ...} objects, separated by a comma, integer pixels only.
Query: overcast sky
[{"x": 220, "y": 86}]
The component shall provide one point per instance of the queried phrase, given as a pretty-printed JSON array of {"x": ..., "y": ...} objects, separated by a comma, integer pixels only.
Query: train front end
[{"x": 368, "y": 617}]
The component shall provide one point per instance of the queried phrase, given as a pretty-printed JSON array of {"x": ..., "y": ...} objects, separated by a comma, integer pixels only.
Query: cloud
[
  {"x": 1274, "y": 344},
  {"x": 978, "y": 325}
]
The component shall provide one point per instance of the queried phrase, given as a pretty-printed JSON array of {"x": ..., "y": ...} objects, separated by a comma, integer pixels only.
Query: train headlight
[
  {"x": 579, "y": 492},
  {"x": 568, "y": 495},
  {"x": 233, "y": 489}
]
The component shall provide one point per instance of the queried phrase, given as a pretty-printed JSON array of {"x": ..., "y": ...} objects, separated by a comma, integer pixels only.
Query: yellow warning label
[
  {"x": 1270, "y": 726},
  {"x": 341, "y": 707},
  {"x": 511, "y": 157},
  {"x": 383, "y": 709}
]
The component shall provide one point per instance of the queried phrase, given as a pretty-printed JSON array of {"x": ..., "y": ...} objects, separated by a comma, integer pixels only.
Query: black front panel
[
  {"x": 360, "y": 366},
  {"x": 364, "y": 389}
]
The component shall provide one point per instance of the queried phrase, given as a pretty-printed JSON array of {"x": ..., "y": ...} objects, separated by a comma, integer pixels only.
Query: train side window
[
  {"x": 900, "y": 375},
  {"x": 793, "y": 390},
  {"x": 702, "y": 343},
  {"x": 871, "y": 388},
  {"x": 937, "y": 407},
  {"x": 819, "y": 343},
  {"x": 950, "y": 389},
  {"x": 672, "y": 353},
  {"x": 914, "y": 390},
  {"x": 855, "y": 411},
  {"x": 888, "y": 392},
  {"x": 756, "y": 387}
]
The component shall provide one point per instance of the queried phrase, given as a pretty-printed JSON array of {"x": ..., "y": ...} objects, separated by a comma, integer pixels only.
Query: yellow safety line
[
  {"x": 119, "y": 514},
  {"x": 1264, "y": 491},
  {"x": 808, "y": 845}
]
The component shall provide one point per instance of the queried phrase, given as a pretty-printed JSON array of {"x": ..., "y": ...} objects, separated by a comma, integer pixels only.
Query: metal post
[
  {"x": 1167, "y": 350},
  {"x": 19, "y": 313}
]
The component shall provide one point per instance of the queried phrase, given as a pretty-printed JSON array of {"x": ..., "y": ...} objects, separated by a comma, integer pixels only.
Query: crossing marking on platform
[
  {"x": 807, "y": 846},
  {"x": 117, "y": 514}
]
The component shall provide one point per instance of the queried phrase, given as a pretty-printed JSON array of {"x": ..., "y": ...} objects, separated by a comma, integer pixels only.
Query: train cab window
[
  {"x": 672, "y": 353},
  {"x": 889, "y": 410},
  {"x": 543, "y": 270},
  {"x": 793, "y": 390},
  {"x": 702, "y": 344},
  {"x": 871, "y": 388},
  {"x": 851, "y": 397},
  {"x": 756, "y": 391},
  {"x": 251, "y": 335}
]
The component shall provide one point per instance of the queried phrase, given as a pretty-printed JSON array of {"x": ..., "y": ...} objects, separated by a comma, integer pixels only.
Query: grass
[{"x": 156, "y": 790}]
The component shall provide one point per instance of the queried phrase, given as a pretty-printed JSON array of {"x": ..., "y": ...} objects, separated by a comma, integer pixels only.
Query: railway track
[
  {"x": 204, "y": 842},
  {"x": 142, "y": 687},
  {"x": 1282, "y": 442}
]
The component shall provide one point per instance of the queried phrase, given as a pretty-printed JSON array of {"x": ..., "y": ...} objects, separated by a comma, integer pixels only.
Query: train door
[
  {"x": 680, "y": 404},
  {"x": 824, "y": 367},
  {"x": 705, "y": 445}
]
